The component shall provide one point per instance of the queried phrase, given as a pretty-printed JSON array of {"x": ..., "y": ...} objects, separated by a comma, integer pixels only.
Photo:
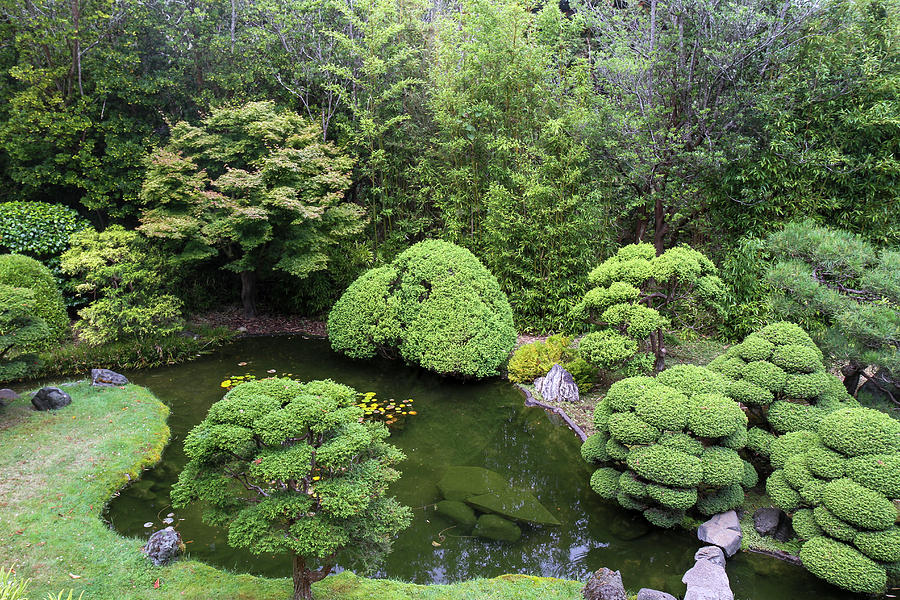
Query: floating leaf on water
[
  {"x": 435, "y": 544},
  {"x": 226, "y": 383}
]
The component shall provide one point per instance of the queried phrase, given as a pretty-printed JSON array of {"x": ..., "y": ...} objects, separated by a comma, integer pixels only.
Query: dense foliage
[
  {"x": 121, "y": 287},
  {"x": 637, "y": 295},
  {"x": 20, "y": 329},
  {"x": 290, "y": 467},
  {"x": 839, "y": 484},
  {"x": 40, "y": 230},
  {"x": 435, "y": 305},
  {"x": 21, "y": 271},
  {"x": 670, "y": 444},
  {"x": 534, "y": 360}
]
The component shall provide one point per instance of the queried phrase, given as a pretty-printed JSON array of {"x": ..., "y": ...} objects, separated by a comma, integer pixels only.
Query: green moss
[
  {"x": 833, "y": 526},
  {"x": 458, "y": 512},
  {"x": 497, "y": 528},
  {"x": 628, "y": 428},
  {"x": 805, "y": 525},
  {"x": 722, "y": 467},
  {"x": 858, "y": 505},
  {"x": 593, "y": 450},
  {"x": 882, "y": 545},
  {"x": 843, "y": 566},
  {"x": 721, "y": 500},
  {"x": 714, "y": 416},
  {"x": 782, "y": 494},
  {"x": 856, "y": 431},
  {"x": 666, "y": 466},
  {"x": 879, "y": 472},
  {"x": 605, "y": 482},
  {"x": 786, "y": 446}
]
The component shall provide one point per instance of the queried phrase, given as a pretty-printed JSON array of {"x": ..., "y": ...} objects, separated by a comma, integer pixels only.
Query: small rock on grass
[
  {"x": 50, "y": 398},
  {"x": 163, "y": 546},
  {"x": 604, "y": 584}
]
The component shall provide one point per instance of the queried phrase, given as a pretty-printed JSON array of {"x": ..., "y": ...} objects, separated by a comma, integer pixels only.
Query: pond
[{"x": 483, "y": 424}]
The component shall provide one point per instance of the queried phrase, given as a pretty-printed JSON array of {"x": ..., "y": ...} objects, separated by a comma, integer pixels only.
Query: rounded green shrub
[
  {"x": 665, "y": 465},
  {"x": 730, "y": 367},
  {"x": 843, "y": 566},
  {"x": 605, "y": 482},
  {"x": 745, "y": 392},
  {"x": 663, "y": 408},
  {"x": 691, "y": 379},
  {"x": 628, "y": 428},
  {"x": 665, "y": 518},
  {"x": 616, "y": 450},
  {"x": 858, "y": 505},
  {"x": 602, "y": 412},
  {"x": 796, "y": 472},
  {"x": 856, "y": 431},
  {"x": 805, "y": 525},
  {"x": 750, "y": 477},
  {"x": 759, "y": 441},
  {"x": 714, "y": 416},
  {"x": 682, "y": 442},
  {"x": 783, "y": 333},
  {"x": 825, "y": 463},
  {"x": 40, "y": 230},
  {"x": 781, "y": 493},
  {"x": 593, "y": 450},
  {"x": 630, "y": 502},
  {"x": 672, "y": 498},
  {"x": 721, "y": 500},
  {"x": 766, "y": 375},
  {"x": 787, "y": 417},
  {"x": 606, "y": 349},
  {"x": 755, "y": 347},
  {"x": 812, "y": 490},
  {"x": 436, "y": 304},
  {"x": 806, "y": 386},
  {"x": 21, "y": 271},
  {"x": 632, "y": 485},
  {"x": 879, "y": 472},
  {"x": 735, "y": 440},
  {"x": 881, "y": 545},
  {"x": 786, "y": 446},
  {"x": 624, "y": 394},
  {"x": 797, "y": 358},
  {"x": 722, "y": 467},
  {"x": 833, "y": 526}
]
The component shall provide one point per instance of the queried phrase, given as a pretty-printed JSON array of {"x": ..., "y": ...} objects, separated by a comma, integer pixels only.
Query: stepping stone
[{"x": 723, "y": 530}]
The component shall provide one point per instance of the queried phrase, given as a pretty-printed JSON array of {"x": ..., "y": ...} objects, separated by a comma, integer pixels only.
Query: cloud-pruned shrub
[
  {"x": 669, "y": 445},
  {"x": 840, "y": 484},
  {"x": 21, "y": 271},
  {"x": 778, "y": 373},
  {"x": 435, "y": 305},
  {"x": 636, "y": 295}
]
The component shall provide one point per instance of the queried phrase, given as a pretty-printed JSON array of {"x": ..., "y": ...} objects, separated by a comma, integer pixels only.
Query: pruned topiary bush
[
  {"x": 21, "y": 271},
  {"x": 669, "y": 444},
  {"x": 778, "y": 373},
  {"x": 841, "y": 484},
  {"x": 435, "y": 305}
]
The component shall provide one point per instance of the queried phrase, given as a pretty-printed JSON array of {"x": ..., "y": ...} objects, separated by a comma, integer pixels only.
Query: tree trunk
[
  {"x": 851, "y": 373},
  {"x": 659, "y": 224},
  {"x": 302, "y": 580},
  {"x": 660, "y": 363},
  {"x": 248, "y": 293}
]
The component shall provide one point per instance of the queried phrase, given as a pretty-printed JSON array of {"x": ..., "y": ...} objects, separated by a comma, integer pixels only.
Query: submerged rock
[
  {"x": 557, "y": 386},
  {"x": 50, "y": 398},
  {"x": 458, "y": 512},
  {"x": 108, "y": 378},
  {"x": 459, "y": 483},
  {"x": 518, "y": 506},
  {"x": 723, "y": 530},
  {"x": 497, "y": 528},
  {"x": 163, "y": 546},
  {"x": 604, "y": 584}
]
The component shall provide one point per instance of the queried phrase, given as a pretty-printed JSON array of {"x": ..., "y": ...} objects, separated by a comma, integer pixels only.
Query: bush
[
  {"x": 859, "y": 505},
  {"x": 435, "y": 304},
  {"x": 879, "y": 472},
  {"x": 593, "y": 450},
  {"x": 805, "y": 525},
  {"x": 537, "y": 358},
  {"x": 790, "y": 444},
  {"x": 833, "y": 526},
  {"x": 665, "y": 518},
  {"x": 843, "y": 566},
  {"x": 788, "y": 417},
  {"x": 722, "y": 467},
  {"x": 605, "y": 482},
  {"x": 721, "y": 500},
  {"x": 37, "y": 229},
  {"x": 857, "y": 431},
  {"x": 714, "y": 416},
  {"x": 628, "y": 428},
  {"x": 20, "y": 328},
  {"x": 24, "y": 272},
  {"x": 759, "y": 441},
  {"x": 882, "y": 545},
  {"x": 666, "y": 466},
  {"x": 781, "y": 493}
]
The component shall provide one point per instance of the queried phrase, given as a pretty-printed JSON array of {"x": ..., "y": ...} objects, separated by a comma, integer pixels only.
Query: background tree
[
  {"x": 291, "y": 467},
  {"x": 124, "y": 291},
  {"x": 255, "y": 184}
]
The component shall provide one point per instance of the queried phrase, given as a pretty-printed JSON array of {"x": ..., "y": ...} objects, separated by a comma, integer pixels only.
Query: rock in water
[
  {"x": 723, "y": 530},
  {"x": 459, "y": 483},
  {"x": 557, "y": 386},
  {"x": 163, "y": 546},
  {"x": 458, "y": 512},
  {"x": 107, "y": 377},
  {"x": 707, "y": 580},
  {"x": 50, "y": 398},
  {"x": 648, "y": 594},
  {"x": 766, "y": 520},
  {"x": 497, "y": 528},
  {"x": 604, "y": 585},
  {"x": 512, "y": 504}
]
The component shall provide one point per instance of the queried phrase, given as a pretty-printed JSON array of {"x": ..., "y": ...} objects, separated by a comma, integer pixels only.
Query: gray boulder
[
  {"x": 707, "y": 579},
  {"x": 713, "y": 554},
  {"x": 557, "y": 386},
  {"x": 723, "y": 530},
  {"x": 648, "y": 594},
  {"x": 50, "y": 398},
  {"x": 7, "y": 395},
  {"x": 163, "y": 546},
  {"x": 767, "y": 520},
  {"x": 604, "y": 585},
  {"x": 107, "y": 378}
]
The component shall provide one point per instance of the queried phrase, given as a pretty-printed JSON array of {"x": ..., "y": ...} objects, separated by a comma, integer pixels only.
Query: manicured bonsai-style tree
[
  {"x": 21, "y": 271},
  {"x": 670, "y": 444},
  {"x": 839, "y": 484},
  {"x": 636, "y": 295},
  {"x": 435, "y": 305},
  {"x": 20, "y": 327},
  {"x": 778, "y": 374},
  {"x": 290, "y": 467}
]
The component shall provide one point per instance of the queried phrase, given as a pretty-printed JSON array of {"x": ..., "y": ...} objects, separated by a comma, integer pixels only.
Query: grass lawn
[{"x": 60, "y": 468}]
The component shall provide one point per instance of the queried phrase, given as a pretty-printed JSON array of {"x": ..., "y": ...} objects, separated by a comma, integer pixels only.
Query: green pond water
[{"x": 480, "y": 424}]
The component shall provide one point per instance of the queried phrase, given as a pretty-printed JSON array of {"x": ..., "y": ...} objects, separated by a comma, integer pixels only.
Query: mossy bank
[{"x": 60, "y": 468}]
